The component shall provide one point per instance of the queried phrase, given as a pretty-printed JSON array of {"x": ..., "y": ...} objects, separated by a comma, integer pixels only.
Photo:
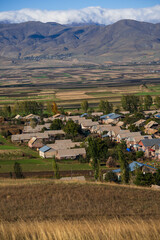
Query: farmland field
[{"x": 69, "y": 83}]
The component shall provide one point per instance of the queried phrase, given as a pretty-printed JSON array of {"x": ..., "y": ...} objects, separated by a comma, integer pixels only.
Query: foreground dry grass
[{"x": 77, "y": 230}]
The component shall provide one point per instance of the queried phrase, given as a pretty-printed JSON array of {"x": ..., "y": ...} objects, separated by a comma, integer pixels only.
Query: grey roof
[
  {"x": 150, "y": 142},
  {"x": 64, "y": 144},
  {"x": 62, "y": 153},
  {"x": 38, "y": 128},
  {"x": 21, "y": 137}
]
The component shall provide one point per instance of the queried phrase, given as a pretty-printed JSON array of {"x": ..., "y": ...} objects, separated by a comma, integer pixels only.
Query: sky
[
  {"x": 81, "y": 11},
  {"x": 10, "y": 5}
]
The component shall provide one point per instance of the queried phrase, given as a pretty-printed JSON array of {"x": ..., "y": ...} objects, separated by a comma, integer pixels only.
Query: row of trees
[{"x": 134, "y": 103}]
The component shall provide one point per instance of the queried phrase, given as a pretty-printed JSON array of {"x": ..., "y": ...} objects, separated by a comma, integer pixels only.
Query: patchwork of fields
[{"x": 68, "y": 85}]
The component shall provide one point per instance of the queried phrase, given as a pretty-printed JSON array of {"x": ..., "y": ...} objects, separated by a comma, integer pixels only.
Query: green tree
[
  {"x": 6, "y": 111},
  {"x": 84, "y": 105},
  {"x": 72, "y": 129},
  {"x": 33, "y": 122},
  {"x": 56, "y": 169},
  {"x": 18, "y": 170},
  {"x": 124, "y": 166},
  {"x": 28, "y": 107},
  {"x": 147, "y": 102},
  {"x": 157, "y": 101},
  {"x": 96, "y": 151},
  {"x": 105, "y": 106},
  {"x": 111, "y": 177},
  {"x": 57, "y": 124},
  {"x": 130, "y": 103}
]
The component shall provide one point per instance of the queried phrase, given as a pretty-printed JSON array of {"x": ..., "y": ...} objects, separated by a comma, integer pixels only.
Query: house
[
  {"x": 87, "y": 124},
  {"x": 146, "y": 146},
  {"x": 38, "y": 128},
  {"x": 97, "y": 114},
  {"x": 120, "y": 124},
  {"x": 151, "y": 124},
  {"x": 70, "y": 153},
  {"x": 57, "y": 116},
  {"x": 54, "y": 133},
  {"x": 47, "y": 152},
  {"x": 31, "y": 116},
  {"x": 110, "y": 121},
  {"x": 64, "y": 144},
  {"x": 123, "y": 135},
  {"x": 20, "y": 138},
  {"x": 157, "y": 115},
  {"x": 111, "y": 116},
  {"x": 135, "y": 139},
  {"x": 145, "y": 168},
  {"x": 59, "y": 149},
  {"x": 151, "y": 127},
  {"x": 75, "y": 119},
  {"x": 156, "y": 149},
  {"x": 139, "y": 123},
  {"x": 35, "y": 143},
  {"x": 112, "y": 131},
  {"x": 18, "y": 117}
]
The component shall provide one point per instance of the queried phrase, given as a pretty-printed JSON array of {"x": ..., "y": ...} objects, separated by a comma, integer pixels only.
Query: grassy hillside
[
  {"x": 46, "y": 209},
  {"x": 48, "y": 200}
]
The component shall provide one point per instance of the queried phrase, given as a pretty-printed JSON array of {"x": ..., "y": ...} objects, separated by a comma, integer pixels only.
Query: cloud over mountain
[{"x": 87, "y": 15}]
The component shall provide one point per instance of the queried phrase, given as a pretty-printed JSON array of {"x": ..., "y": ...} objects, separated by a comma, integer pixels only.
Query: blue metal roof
[
  {"x": 84, "y": 114},
  {"x": 105, "y": 135},
  {"x": 157, "y": 115},
  {"x": 133, "y": 165},
  {"x": 44, "y": 149},
  {"x": 111, "y": 116}
]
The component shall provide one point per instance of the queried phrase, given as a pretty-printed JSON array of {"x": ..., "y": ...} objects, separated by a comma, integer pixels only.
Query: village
[{"x": 65, "y": 136}]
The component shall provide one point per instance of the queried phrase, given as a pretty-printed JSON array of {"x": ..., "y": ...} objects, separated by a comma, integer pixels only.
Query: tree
[
  {"x": 57, "y": 124},
  {"x": 54, "y": 108},
  {"x": 130, "y": 103},
  {"x": 97, "y": 150},
  {"x": 111, "y": 177},
  {"x": 147, "y": 102},
  {"x": 18, "y": 170},
  {"x": 111, "y": 162},
  {"x": 105, "y": 106},
  {"x": 84, "y": 105},
  {"x": 124, "y": 166},
  {"x": 28, "y": 107},
  {"x": 33, "y": 122},
  {"x": 72, "y": 129},
  {"x": 157, "y": 101},
  {"x": 56, "y": 169},
  {"x": 6, "y": 111}
]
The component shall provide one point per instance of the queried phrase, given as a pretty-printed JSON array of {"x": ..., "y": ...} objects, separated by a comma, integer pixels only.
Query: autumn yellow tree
[{"x": 54, "y": 108}]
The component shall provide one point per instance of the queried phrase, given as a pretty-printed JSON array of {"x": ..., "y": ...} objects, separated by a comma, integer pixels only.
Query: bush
[
  {"x": 18, "y": 170},
  {"x": 139, "y": 154},
  {"x": 111, "y": 177}
]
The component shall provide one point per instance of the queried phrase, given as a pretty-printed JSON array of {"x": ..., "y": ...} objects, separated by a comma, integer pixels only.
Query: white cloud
[{"x": 86, "y": 15}]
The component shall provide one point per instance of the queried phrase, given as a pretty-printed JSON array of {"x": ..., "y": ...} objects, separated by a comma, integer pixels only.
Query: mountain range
[{"x": 126, "y": 39}]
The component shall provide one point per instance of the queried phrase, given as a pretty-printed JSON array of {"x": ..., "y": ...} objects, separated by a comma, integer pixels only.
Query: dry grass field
[
  {"x": 45, "y": 209},
  {"x": 98, "y": 229},
  {"x": 62, "y": 201}
]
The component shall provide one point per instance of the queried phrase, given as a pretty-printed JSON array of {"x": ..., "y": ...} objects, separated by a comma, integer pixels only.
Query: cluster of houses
[{"x": 50, "y": 143}]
